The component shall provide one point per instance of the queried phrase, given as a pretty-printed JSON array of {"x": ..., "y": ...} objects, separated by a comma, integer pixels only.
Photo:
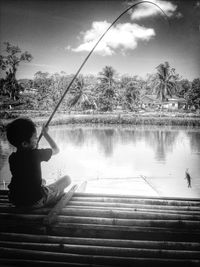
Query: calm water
[{"x": 161, "y": 154}]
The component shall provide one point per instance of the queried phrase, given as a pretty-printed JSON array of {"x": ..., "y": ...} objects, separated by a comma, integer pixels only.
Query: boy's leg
[
  {"x": 61, "y": 183},
  {"x": 56, "y": 190}
]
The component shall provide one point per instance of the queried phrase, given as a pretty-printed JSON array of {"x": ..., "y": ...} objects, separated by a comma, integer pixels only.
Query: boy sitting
[{"x": 27, "y": 188}]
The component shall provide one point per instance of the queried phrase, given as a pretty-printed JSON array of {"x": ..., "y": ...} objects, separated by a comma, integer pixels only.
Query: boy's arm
[{"x": 55, "y": 149}]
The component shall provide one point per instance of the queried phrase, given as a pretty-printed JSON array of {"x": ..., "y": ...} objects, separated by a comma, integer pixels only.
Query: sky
[{"x": 60, "y": 33}]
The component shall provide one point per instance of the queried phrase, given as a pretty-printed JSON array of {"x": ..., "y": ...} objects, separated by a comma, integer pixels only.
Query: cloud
[
  {"x": 122, "y": 36},
  {"x": 197, "y": 4},
  {"x": 68, "y": 47},
  {"x": 147, "y": 10}
]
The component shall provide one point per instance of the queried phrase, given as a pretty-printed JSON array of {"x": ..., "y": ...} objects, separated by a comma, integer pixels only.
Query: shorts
[{"x": 52, "y": 193}]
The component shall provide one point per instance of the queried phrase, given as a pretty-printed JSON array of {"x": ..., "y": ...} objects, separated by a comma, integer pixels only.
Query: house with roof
[
  {"x": 150, "y": 101},
  {"x": 175, "y": 103},
  {"x": 171, "y": 103}
]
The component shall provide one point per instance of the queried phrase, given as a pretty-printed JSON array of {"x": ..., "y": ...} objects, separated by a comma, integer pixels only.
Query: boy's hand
[
  {"x": 45, "y": 129},
  {"x": 43, "y": 182}
]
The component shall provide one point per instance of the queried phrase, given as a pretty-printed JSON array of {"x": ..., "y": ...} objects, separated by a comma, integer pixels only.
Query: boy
[{"x": 26, "y": 188}]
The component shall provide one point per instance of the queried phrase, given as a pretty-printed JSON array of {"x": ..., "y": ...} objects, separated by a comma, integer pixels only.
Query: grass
[{"x": 144, "y": 118}]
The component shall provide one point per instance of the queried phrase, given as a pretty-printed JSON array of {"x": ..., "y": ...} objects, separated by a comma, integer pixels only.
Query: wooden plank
[{"x": 52, "y": 215}]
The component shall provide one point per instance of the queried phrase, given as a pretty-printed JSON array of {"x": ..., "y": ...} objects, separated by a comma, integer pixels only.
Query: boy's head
[{"x": 21, "y": 133}]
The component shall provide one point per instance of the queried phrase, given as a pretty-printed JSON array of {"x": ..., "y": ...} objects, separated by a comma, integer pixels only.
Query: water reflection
[
  {"x": 119, "y": 152},
  {"x": 194, "y": 141},
  {"x": 160, "y": 141}
]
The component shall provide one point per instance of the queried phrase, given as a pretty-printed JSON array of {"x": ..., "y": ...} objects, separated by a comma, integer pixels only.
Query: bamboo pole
[
  {"x": 132, "y": 206},
  {"x": 23, "y": 262},
  {"x": 132, "y": 222},
  {"x": 126, "y": 214},
  {"x": 129, "y": 199},
  {"x": 27, "y": 228},
  {"x": 118, "y": 196},
  {"x": 183, "y": 212},
  {"x": 28, "y": 217},
  {"x": 93, "y": 259},
  {"x": 3, "y": 192},
  {"x": 102, "y": 250},
  {"x": 13, "y": 210},
  {"x": 123, "y": 232},
  {"x": 20, "y": 237}
]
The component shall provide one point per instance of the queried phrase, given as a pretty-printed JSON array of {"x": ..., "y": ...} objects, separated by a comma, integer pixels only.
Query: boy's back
[{"x": 26, "y": 183}]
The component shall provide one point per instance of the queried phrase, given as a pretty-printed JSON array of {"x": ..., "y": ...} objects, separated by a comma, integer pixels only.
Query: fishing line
[{"x": 78, "y": 71}]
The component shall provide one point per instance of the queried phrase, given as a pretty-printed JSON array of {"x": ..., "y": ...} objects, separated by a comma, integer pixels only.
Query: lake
[{"x": 143, "y": 160}]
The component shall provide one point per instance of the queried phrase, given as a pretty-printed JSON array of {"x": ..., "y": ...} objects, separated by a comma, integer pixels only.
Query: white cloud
[
  {"x": 122, "y": 36},
  {"x": 198, "y": 4},
  {"x": 68, "y": 47},
  {"x": 147, "y": 10}
]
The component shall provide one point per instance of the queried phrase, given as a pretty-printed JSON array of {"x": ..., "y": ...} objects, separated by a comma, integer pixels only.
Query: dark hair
[{"x": 20, "y": 130}]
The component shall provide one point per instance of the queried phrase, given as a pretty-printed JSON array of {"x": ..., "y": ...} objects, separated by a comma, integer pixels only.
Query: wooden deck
[{"x": 86, "y": 229}]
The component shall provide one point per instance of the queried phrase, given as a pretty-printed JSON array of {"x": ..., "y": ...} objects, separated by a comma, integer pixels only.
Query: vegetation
[
  {"x": 106, "y": 90},
  {"x": 165, "y": 81},
  {"x": 105, "y": 93},
  {"x": 193, "y": 94},
  {"x": 9, "y": 63}
]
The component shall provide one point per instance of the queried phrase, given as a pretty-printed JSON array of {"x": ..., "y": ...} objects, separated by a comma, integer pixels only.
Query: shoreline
[{"x": 145, "y": 118}]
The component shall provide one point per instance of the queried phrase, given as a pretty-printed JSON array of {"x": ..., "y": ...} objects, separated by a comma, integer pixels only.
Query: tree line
[{"x": 105, "y": 92}]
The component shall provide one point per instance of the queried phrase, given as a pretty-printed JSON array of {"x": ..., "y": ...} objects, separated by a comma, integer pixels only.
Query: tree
[
  {"x": 131, "y": 96},
  {"x": 9, "y": 64},
  {"x": 106, "y": 90},
  {"x": 183, "y": 87},
  {"x": 76, "y": 92},
  {"x": 193, "y": 94},
  {"x": 165, "y": 81}
]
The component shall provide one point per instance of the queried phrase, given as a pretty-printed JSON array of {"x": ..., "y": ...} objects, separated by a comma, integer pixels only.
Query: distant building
[
  {"x": 171, "y": 103},
  {"x": 174, "y": 103},
  {"x": 28, "y": 92},
  {"x": 150, "y": 101}
]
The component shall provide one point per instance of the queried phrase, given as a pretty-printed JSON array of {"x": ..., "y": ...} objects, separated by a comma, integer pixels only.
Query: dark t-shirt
[{"x": 26, "y": 183}]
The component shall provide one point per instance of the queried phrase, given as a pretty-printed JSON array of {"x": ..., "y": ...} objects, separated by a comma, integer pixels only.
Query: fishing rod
[{"x": 87, "y": 57}]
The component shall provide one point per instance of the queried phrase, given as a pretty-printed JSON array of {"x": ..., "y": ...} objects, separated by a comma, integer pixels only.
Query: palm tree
[
  {"x": 106, "y": 90},
  {"x": 79, "y": 97},
  {"x": 107, "y": 76},
  {"x": 164, "y": 81},
  {"x": 131, "y": 95}
]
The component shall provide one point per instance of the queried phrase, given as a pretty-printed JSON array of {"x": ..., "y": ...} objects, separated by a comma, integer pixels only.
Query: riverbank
[{"x": 131, "y": 118}]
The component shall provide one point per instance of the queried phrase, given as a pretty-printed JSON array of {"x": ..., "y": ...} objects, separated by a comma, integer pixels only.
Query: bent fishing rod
[{"x": 87, "y": 57}]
